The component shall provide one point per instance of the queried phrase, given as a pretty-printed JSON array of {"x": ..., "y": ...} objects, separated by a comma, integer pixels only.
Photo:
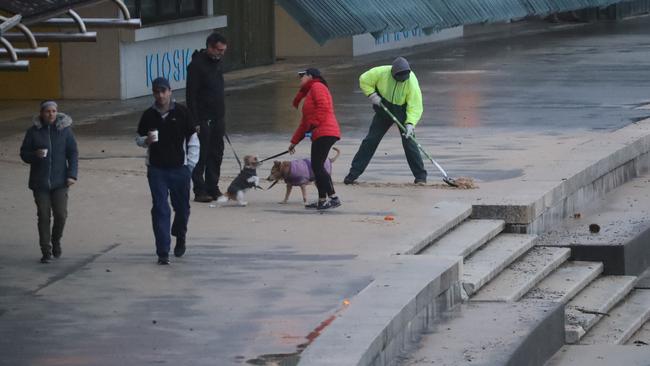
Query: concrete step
[
  {"x": 489, "y": 260},
  {"x": 641, "y": 337},
  {"x": 465, "y": 238},
  {"x": 624, "y": 320},
  {"x": 522, "y": 275},
  {"x": 444, "y": 216},
  {"x": 487, "y": 333},
  {"x": 600, "y": 297},
  {"x": 565, "y": 282},
  {"x": 601, "y": 355}
]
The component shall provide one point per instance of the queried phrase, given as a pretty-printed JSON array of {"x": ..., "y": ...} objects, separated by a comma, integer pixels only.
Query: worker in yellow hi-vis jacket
[{"x": 397, "y": 88}]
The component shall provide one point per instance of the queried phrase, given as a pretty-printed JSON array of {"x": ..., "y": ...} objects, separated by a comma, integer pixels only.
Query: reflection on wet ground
[{"x": 586, "y": 78}]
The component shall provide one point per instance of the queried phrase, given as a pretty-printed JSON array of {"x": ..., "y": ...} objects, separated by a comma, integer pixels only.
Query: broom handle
[{"x": 403, "y": 129}]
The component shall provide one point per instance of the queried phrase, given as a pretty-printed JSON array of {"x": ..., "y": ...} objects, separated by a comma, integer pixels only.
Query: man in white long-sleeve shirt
[{"x": 169, "y": 135}]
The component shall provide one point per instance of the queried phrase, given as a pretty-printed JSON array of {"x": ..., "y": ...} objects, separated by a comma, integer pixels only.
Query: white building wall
[
  {"x": 123, "y": 62},
  {"x": 366, "y": 43},
  {"x": 142, "y": 62}
]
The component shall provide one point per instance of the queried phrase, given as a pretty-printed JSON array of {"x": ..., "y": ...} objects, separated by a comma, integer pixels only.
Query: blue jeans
[{"x": 175, "y": 184}]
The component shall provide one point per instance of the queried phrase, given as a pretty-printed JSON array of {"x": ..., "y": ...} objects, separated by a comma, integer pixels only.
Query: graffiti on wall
[{"x": 169, "y": 64}]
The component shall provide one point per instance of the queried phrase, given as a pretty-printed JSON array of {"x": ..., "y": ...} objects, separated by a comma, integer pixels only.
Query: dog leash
[
  {"x": 274, "y": 156},
  {"x": 273, "y": 184},
  {"x": 233, "y": 151}
]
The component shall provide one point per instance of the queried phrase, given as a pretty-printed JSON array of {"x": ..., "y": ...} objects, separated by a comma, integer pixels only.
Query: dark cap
[
  {"x": 160, "y": 82},
  {"x": 313, "y": 72}
]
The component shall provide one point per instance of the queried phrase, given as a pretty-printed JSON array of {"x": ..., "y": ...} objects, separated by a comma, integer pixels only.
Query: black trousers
[
  {"x": 381, "y": 123},
  {"x": 205, "y": 175},
  {"x": 48, "y": 204},
  {"x": 320, "y": 149}
]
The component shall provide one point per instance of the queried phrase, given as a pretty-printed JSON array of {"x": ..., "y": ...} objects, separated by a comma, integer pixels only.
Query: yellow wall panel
[{"x": 42, "y": 81}]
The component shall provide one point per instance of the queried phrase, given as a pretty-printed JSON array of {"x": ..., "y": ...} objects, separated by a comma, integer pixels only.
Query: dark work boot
[
  {"x": 203, "y": 198},
  {"x": 349, "y": 180},
  {"x": 46, "y": 251},
  {"x": 46, "y": 258},
  {"x": 179, "y": 249},
  {"x": 56, "y": 249}
]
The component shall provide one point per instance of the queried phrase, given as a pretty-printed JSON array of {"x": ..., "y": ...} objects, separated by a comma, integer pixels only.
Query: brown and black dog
[
  {"x": 246, "y": 179},
  {"x": 298, "y": 173}
]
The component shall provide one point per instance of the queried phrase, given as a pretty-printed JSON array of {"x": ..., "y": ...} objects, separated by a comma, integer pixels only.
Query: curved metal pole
[
  {"x": 77, "y": 19},
  {"x": 10, "y": 23},
  {"x": 24, "y": 30},
  {"x": 10, "y": 49},
  {"x": 125, "y": 11}
]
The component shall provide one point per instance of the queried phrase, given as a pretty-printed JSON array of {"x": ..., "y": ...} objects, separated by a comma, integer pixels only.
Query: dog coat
[
  {"x": 241, "y": 182},
  {"x": 301, "y": 172}
]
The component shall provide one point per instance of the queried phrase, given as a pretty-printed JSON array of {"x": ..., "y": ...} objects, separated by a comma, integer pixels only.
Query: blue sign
[
  {"x": 398, "y": 36},
  {"x": 169, "y": 64}
]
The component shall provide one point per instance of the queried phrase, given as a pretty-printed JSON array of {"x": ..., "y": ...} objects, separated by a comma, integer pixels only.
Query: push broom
[{"x": 445, "y": 178}]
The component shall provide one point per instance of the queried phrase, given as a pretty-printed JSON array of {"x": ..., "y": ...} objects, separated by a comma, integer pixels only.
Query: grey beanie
[
  {"x": 400, "y": 64},
  {"x": 48, "y": 103}
]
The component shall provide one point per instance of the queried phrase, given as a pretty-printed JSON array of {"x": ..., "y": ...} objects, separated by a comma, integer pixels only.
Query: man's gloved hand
[
  {"x": 410, "y": 131},
  {"x": 375, "y": 99}
]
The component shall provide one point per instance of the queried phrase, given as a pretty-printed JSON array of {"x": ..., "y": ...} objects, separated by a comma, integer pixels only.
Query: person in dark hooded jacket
[
  {"x": 205, "y": 101},
  {"x": 50, "y": 148}
]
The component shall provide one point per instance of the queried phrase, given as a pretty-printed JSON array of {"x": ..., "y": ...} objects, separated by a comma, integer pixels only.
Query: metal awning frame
[{"x": 24, "y": 34}]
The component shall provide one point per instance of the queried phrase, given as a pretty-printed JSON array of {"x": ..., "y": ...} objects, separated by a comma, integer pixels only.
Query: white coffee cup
[{"x": 154, "y": 135}]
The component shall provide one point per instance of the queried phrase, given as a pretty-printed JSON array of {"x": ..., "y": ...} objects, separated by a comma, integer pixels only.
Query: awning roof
[
  {"x": 26, "y": 13},
  {"x": 35, "y": 10},
  {"x": 325, "y": 20}
]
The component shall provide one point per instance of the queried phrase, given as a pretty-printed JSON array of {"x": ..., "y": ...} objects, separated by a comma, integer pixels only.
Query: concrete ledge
[
  {"x": 622, "y": 241},
  {"x": 387, "y": 314},
  {"x": 512, "y": 334},
  {"x": 630, "y": 258},
  {"x": 593, "y": 190},
  {"x": 625, "y": 157},
  {"x": 176, "y": 28}
]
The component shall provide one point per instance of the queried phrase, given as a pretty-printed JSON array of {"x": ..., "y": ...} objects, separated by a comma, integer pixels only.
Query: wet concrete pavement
[{"x": 259, "y": 280}]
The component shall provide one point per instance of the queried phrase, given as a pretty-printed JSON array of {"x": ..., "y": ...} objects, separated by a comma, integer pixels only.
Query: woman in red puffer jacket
[{"x": 319, "y": 119}]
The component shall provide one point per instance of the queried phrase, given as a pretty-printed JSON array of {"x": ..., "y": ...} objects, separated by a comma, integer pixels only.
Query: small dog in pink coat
[{"x": 298, "y": 173}]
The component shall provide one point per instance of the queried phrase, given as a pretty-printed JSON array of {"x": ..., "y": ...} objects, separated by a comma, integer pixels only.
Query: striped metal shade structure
[{"x": 325, "y": 20}]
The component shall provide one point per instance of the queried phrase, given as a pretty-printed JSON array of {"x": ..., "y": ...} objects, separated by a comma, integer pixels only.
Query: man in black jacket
[
  {"x": 205, "y": 100},
  {"x": 49, "y": 147},
  {"x": 169, "y": 135}
]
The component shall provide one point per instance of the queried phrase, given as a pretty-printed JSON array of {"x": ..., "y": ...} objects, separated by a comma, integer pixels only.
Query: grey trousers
[{"x": 48, "y": 204}]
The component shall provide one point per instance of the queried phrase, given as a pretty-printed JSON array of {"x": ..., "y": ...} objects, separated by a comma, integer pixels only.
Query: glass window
[
  {"x": 190, "y": 6},
  {"x": 154, "y": 11},
  {"x": 168, "y": 7}
]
